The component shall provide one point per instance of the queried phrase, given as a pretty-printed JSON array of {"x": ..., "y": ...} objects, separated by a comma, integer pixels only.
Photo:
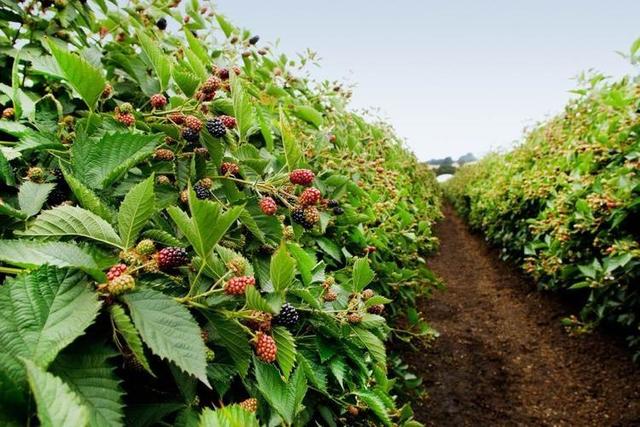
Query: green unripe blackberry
[{"x": 146, "y": 247}]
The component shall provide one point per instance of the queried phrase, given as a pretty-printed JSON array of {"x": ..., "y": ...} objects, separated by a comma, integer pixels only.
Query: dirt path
[{"x": 504, "y": 359}]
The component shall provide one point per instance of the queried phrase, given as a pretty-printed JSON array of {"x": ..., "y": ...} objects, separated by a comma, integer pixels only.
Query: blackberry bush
[{"x": 149, "y": 235}]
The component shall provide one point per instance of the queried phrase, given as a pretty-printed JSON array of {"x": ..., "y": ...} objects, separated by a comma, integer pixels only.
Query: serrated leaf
[
  {"x": 242, "y": 108},
  {"x": 136, "y": 209},
  {"x": 87, "y": 198},
  {"x": 163, "y": 237},
  {"x": 72, "y": 221},
  {"x": 89, "y": 374},
  {"x": 32, "y": 196},
  {"x": 284, "y": 397},
  {"x": 309, "y": 115},
  {"x": 282, "y": 269},
  {"x": 305, "y": 262},
  {"x": 6, "y": 172},
  {"x": 372, "y": 321},
  {"x": 58, "y": 405},
  {"x": 48, "y": 113},
  {"x": 124, "y": 326},
  {"x": 234, "y": 339},
  {"x": 197, "y": 66},
  {"x": 169, "y": 330},
  {"x": 375, "y": 300},
  {"x": 225, "y": 26},
  {"x": 196, "y": 47},
  {"x": 286, "y": 355},
  {"x": 186, "y": 80},
  {"x": 372, "y": 343},
  {"x": 339, "y": 370},
  {"x": 28, "y": 254},
  {"x": 362, "y": 274},
  {"x": 229, "y": 416},
  {"x": 315, "y": 373},
  {"x": 255, "y": 301},
  {"x": 99, "y": 163},
  {"x": 376, "y": 405},
  {"x": 83, "y": 77},
  {"x": 159, "y": 60},
  {"x": 207, "y": 223},
  {"x": 292, "y": 151},
  {"x": 43, "y": 311}
]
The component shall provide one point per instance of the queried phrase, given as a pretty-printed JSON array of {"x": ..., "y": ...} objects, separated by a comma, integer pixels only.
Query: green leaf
[
  {"x": 292, "y": 151},
  {"x": 72, "y": 221},
  {"x": 242, "y": 108},
  {"x": 87, "y": 198},
  {"x": 15, "y": 85},
  {"x": 44, "y": 311},
  {"x": 124, "y": 326},
  {"x": 28, "y": 254},
  {"x": 305, "y": 262},
  {"x": 229, "y": 416},
  {"x": 362, "y": 274},
  {"x": 83, "y": 77},
  {"x": 99, "y": 163},
  {"x": 88, "y": 373},
  {"x": 186, "y": 80},
  {"x": 283, "y": 269},
  {"x": 169, "y": 330},
  {"x": 372, "y": 321},
  {"x": 159, "y": 60},
  {"x": 338, "y": 368},
  {"x": 163, "y": 237},
  {"x": 372, "y": 343},
  {"x": 308, "y": 114},
  {"x": 284, "y": 397},
  {"x": 32, "y": 196},
  {"x": 196, "y": 47},
  {"x": 48, "y": 113},
  {"x": 136, "y": 209},
  {"x": 58, "y": 405},
  {"x": 207, "y": 224},
  {"x": 376, "y": 405},
  {"x": 6, "y": 172},
  {"x": 286, "y": 354},
  {"x": 375, "y": 300},
  {"x": 225, "y": 26},
  {"x": 196, "y": 65},
  {"x": 234, "y": 339},
  {"x": 315, "y": 373},
  {"x": 255, "y": 301}
]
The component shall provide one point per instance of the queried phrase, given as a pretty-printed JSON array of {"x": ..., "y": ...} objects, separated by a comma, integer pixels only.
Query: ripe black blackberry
[
  {"x": 307, "y": 217},
  {"x": 333, "y": 203},
  {"x": 58, "y": 195},
  {"x": 170, "y": 258},
  {"x": 161, "y": 24},
  {"x": 338, "y": 210},
  {"x": 288, "y": 316},
  {"x": 190, "y": 135},
  {"x": 253, "y": 40},
  {"x": 201, "y": 191},
  {"x": 216, "y": 128}
]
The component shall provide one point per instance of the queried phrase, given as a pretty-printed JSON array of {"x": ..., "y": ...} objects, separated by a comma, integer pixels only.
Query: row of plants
[
  {"x": 565, "y": 203},
  {"x": 193, "y": 231}
]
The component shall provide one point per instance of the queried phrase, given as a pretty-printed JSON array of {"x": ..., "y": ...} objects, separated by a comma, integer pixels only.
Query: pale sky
[{"x": 452, "y": 76}]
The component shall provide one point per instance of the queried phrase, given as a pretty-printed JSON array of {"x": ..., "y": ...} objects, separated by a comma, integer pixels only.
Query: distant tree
[
  {"x": 469, "y": 157},
  {"x": 447, "y": 161},
  {"x": 446, "y": 169}
]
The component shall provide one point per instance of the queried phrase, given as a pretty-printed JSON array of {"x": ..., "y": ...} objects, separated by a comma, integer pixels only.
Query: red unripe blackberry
[
  {"x": 354, "y": 318},
  {"x": 223, "y": 73},
  {"x": 201, "y": 191},
  {"x": 216, "y": 128},
  {"x": 116, "y": 271},
  {"x": 268, "y": 206},
  {"x": 228, "y": 168},
  {"x": 164, "y": 154},
  {"x": 330, "y": 296},
  {"x": 211, "y": 84},
  {"x": 250, "y": 404},
  {"x": 237, "y": 285},
  {"x": 266, "y": 348},
  {"x": 228, "y": 121},
  {"x": 170, "y": 258},
  {"x": 190, "y": 135},
  {"x": 376, "y": 309},
  {"x": 158, "y": 100},
  {"x": 121, "y": 284},
  {"x": 106, "y": 92},
  {"x": 353, "y": 410},
  {"x": 310, "y": 196},
  {"x": 287, "y": 317},
  {"x": 194, "y": 123},
  {"x": 177, "y": 118},
  {"x": 8, "y": 113},
  {"x": 301, "y": 177},
  {"x": 126, "y": 119},
  {"x": 236, "y": 70}
]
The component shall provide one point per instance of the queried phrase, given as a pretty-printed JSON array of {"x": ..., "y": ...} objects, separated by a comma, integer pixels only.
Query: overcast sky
[{"x": 452, "y": 76}]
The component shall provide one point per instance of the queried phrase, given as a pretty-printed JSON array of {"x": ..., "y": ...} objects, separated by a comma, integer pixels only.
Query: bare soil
[{"x": 504, "y": 359}]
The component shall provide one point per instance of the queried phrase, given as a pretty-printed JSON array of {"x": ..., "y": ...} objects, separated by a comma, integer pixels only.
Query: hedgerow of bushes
[
  {"x": 565, "y": 203},
  {"x": 192, "y": 231}
]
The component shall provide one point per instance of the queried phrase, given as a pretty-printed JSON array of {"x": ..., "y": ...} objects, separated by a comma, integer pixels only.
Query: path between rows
[{"x": 503, "y": 358}]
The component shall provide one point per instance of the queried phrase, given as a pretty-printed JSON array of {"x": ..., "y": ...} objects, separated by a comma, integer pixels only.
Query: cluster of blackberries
[
  {"x": 216, "y": 128},
  {"x": 288, "y": 316},
  {"x": 170, "y": 258},
  {"x": 307, "y": 216}
]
